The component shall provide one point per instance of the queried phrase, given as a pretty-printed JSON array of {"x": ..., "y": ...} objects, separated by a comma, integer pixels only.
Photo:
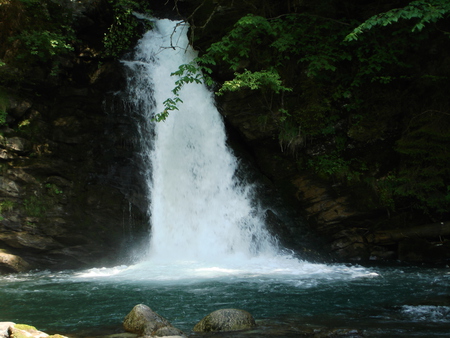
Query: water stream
[{"x": 209, "y": 248}]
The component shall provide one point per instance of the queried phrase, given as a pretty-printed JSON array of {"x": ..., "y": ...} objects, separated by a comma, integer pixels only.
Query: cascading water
[
  {"x": 204, "y": 221},
  {"x": 208, "y": 248},
  {"x": 199, "y": 211}
]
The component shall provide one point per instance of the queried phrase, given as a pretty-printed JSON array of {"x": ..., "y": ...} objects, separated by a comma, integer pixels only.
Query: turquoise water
[{"x": 380, "y": 302}]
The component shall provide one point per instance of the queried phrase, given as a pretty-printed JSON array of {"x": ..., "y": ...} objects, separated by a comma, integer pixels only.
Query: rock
[
  {"x": 144, "y": 321},
  {"x": 4, "y": 329},
  {"x": 17, "y": 144},
  {"x": 17, "y": 107},
  {"x": 12, "y": 263},
  {"x": 24, "y": 239},
  {"x": 169, "y": 331},
  {"x": 421, "y": 250},
  {"x": 226, "y": 320},
  {"x": 27, "y": 331},
  {"x": 9, "y": 187}
]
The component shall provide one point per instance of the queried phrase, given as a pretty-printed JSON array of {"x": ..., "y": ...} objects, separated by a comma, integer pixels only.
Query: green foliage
[
  {"x": 425, "y": 175},
  {"x": 334, "y": 165},
  {"x": 44, "y": 44},
  {"x": 186, "y": 73},
  {"x": 39, "y": 31},
  {"x": 126, "y": 27},
  {"x": 270, "y": 44},
  {"x": 321, "y": 82},
  {"x": 6, "y": 205},
  {"x": 35, "y": 206},
  {"x": 421, "y": 12},
  {"x": 53, "y": 189},
  {"x": 265, "y": 79}
]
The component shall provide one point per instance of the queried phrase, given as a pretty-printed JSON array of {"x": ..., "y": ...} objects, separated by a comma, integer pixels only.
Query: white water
[
  {"x": 204, "y": 222},
  {"x": 198, "y": 210}
]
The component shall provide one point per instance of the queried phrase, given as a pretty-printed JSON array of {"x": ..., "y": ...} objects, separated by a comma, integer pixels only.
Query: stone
[
  {"x": 27, "y": 331},
  {"x": 9, "y": 187},
  {"x": 12, "y": 263},
  {"x": 144, "y": 321},
  {"x": 4, "y": 329},
  {"x": 24, "y": 239},
  {"x": 226, "y": 320},
  {"x": 17, "y": 107},
  {"x": 168, "y": 331},
  {"x": 18, "y": 144}
]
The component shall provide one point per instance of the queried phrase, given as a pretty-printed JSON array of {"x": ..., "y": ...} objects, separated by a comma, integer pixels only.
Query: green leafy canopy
[{"x": 424, "y": 12}]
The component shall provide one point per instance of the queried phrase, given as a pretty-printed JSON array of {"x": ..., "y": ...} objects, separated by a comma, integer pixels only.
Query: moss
[{"x": 24, "y": 327}]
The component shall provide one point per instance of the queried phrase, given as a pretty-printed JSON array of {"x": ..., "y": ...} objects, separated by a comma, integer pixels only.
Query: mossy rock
[
  {"x": 24, "y": 327},
  {"x": 143, "y": 320},
  {"x": 226, "y": 320}
]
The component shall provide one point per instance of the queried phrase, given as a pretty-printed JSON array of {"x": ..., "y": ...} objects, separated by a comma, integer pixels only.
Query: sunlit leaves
[
  {"x": 424, "y": 12},
  {"x": 44, "y": 44},
  {"x": 124, "y": 29},
  {"x": 265, "y": 79}
]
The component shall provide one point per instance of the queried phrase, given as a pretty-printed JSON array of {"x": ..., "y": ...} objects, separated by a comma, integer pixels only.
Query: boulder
[
  {"x": 226, "y": 320},
  {"x": 145, "y": 322},
  {"x": 12, "y": 263},
  {"x": 4, "y": 329},
  {"x": 13, "y": 330},
  {"x": 168, "y": 331}
]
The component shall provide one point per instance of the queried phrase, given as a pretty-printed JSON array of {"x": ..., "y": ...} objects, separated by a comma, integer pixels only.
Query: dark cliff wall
[
  {"x": 359, "y": 176},
  {"x": 71, "y": 194},
  {"x": 70, "y": 191}
]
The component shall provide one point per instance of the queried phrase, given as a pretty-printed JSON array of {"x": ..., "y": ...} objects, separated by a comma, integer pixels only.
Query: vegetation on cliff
[
  {"x": 355, "y": 93},
  {"x": 358, "y": 98}
]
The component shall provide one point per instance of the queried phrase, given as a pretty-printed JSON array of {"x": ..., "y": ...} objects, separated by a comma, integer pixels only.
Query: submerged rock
[
  {"x": 226, "y": 320},
  {"x": 145, "y": 322}
]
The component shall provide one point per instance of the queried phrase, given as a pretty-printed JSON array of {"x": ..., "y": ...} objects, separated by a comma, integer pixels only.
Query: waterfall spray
[{"x": 199, "y": 209}]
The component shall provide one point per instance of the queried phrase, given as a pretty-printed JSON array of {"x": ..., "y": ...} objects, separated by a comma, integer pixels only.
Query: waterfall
[{"x": 199, "y": 210}]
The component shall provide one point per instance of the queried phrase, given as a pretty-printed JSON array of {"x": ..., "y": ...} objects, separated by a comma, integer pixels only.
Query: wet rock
[
  {"x": 321, "y": 205},
  {"x": 351, "y": 244},
  {"x": 144, "y": 321},
  {"x": 12, "y": 263},
  {"x": 24, "y": 239},
  {"x": 226, "y": 320},
  {"x": 420, "y": 250},
  {"x": 168, "y": 331}
]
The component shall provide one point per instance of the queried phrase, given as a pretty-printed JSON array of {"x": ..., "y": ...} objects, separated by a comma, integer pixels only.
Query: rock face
[
  {"x": 12, "y": 263},
  {"x": 345, "y": 213},
  {"x": 70, "y": 192},
  {"x": 145, "y": 322},
  {"x": 226, "y": 320},
  {"x": 70, "y": 186}
]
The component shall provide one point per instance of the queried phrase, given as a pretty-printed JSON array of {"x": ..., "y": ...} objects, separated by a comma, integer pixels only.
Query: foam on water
[{"x": 283, "y": 269}]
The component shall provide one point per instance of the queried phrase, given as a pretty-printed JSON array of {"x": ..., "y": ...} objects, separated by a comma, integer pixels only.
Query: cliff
[{"x": 366, "y": 166}]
